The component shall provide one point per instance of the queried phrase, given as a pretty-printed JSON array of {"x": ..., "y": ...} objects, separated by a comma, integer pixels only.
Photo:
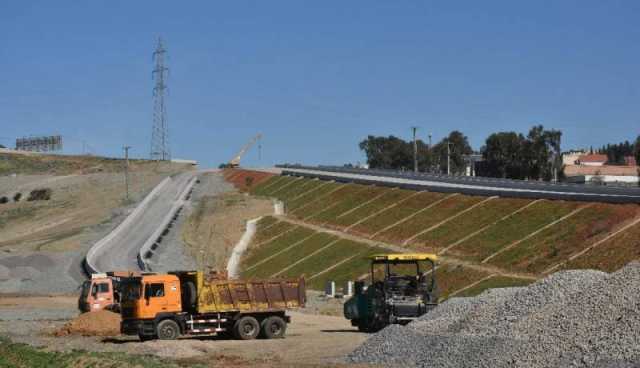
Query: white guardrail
[
  {"x": 89, "y": 260},
  {"x": 154, "y": 240}
]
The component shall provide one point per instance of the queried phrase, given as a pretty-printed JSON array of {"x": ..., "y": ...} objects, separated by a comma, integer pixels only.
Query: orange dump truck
[
  {"x": 102, "y": 291},
  {"x": 166, "y": 306}
]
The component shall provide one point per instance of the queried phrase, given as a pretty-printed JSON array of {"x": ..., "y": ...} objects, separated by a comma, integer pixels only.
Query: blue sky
[{"x": 315, "y": 78}]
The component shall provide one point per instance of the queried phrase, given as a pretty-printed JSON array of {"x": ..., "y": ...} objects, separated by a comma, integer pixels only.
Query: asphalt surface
[
  {"x": 120, "y": 252},
  {"x": 469, "y": 185}
]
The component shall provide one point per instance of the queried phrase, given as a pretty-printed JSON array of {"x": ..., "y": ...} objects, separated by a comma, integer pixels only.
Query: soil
[
  {"x": 100, "y": 323},
  {"x": 217, "y": 223}
]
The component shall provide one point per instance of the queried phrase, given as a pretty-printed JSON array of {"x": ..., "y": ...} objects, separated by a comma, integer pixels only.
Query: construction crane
[{"x": 235, "y": 162}]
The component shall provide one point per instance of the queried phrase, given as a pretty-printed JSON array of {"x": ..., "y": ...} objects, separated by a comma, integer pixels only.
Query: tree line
[
  {"x": 395, "y": 153},
  {"x": 617, "y": 153},
  {"x": 512, "y": 155}
]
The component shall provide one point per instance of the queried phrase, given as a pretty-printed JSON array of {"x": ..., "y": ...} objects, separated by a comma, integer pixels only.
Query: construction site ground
[
  {"x": 312, "y": 339},
  {"x": 216, "y": 219}
]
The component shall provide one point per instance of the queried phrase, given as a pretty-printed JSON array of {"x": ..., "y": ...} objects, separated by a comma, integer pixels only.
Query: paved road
[
  {"x": 120, "y": 250},
  {"x": 472, "y": 186}
]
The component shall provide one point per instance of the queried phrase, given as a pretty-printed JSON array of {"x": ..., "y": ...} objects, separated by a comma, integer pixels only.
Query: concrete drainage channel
[{"x": 154, "y": 241}]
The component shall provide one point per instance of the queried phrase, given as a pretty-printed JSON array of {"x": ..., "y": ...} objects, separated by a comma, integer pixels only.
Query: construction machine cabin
[{"x": 403, "y": 287}]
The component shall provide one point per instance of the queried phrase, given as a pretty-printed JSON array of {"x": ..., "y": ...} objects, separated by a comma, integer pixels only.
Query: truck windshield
[{"x": 131, "y": 291}]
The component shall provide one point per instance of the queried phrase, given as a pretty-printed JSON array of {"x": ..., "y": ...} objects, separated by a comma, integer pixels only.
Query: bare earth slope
[{"x": 42, "y": 243}]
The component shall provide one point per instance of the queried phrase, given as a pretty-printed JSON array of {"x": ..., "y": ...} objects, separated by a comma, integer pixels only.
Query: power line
[
  {"x": 160, "y": 132},
  {"x": 449, "y": 157}
]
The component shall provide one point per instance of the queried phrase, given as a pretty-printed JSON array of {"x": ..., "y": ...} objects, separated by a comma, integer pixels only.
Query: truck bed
[{"x": 224, "y": 295}]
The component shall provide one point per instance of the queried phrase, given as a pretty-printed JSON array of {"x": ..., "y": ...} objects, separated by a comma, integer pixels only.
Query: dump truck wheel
[
  {"x": 273, "y": 328},
  {"x": 168, "y": 330},
  {"x": 246, "y": 328}
]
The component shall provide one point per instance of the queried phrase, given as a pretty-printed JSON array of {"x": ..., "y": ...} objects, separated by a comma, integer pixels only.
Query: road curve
[
  {"x": 119, "y": 249},
  {"x": 467, "y": 185}
]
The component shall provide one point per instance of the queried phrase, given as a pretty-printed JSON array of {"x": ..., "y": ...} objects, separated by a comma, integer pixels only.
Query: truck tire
[
  {"x": 273, "y": 328},
  {"x": 168, "y": 330},
  {"x": 246, "y": 328}
]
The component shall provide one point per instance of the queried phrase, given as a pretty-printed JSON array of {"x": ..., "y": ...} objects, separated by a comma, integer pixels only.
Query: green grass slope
[
  {"x": 513, "y": 229},
  {"x": 520, "y": 236}
]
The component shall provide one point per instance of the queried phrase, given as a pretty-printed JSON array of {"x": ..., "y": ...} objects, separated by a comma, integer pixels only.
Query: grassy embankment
[{"x": 514, "y": 236}]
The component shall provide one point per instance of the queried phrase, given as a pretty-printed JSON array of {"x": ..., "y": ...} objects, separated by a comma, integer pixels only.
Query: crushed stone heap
[{"x": 577, "y": 318}]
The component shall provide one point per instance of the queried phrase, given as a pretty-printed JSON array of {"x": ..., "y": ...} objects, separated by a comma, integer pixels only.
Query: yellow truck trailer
[{"x": 165, "y": 306}]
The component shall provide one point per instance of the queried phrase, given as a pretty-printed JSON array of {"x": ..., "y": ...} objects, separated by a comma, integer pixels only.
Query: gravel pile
[{"x": 570, "y": 319}]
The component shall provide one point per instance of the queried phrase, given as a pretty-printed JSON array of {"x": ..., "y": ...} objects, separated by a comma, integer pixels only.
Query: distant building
[
  {"x": 581, "y": 166},
  {"x": 630, "y": 161},
  {"x": 571, "y": 157},
  {"x": 471, "y": 162},
  {"x": 592, "y": 160}
]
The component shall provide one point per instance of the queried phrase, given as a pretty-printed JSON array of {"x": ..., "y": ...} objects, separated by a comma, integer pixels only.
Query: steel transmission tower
[{"x": 160, "y": 134}]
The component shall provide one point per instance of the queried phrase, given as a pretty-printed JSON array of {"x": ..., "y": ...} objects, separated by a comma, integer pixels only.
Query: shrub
[
  {"x": 39, "y": 195},
  {"x": 17, "y": 197}
]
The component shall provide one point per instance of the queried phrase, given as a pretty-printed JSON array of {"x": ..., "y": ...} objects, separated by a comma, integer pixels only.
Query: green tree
[
  {"x": 502, "y": 154},
  {"x": 387, "y": 152},
  {"x": 511, "y": 155},
  {"x": 459, "y": 147},
  {"x": 395, "y": 153}
]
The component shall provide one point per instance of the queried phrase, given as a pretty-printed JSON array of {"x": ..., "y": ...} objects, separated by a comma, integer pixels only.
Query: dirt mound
[{"x": 101, "y": 323}]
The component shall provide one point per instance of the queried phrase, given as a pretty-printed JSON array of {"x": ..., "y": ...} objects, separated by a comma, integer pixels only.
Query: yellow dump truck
[{"x": 166, "y": 306}]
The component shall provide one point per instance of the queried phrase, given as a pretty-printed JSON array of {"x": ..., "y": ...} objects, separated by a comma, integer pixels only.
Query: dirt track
[{"x": 311, "y": 339}]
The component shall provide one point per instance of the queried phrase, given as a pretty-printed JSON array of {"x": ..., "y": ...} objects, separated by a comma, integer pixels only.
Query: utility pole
[
  {"x": 126, "y": 171},
  {"x": 449, "y": 158},
  {"x": 415, "y": 149},
  {"x": 430, "y": 148}
]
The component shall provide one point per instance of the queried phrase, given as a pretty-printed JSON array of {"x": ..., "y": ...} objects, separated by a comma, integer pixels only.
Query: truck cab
[
  {"x": 102, "y": 291},
  {"x": 97, "y": 294},
  {"x": 150, "y": 295}
]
